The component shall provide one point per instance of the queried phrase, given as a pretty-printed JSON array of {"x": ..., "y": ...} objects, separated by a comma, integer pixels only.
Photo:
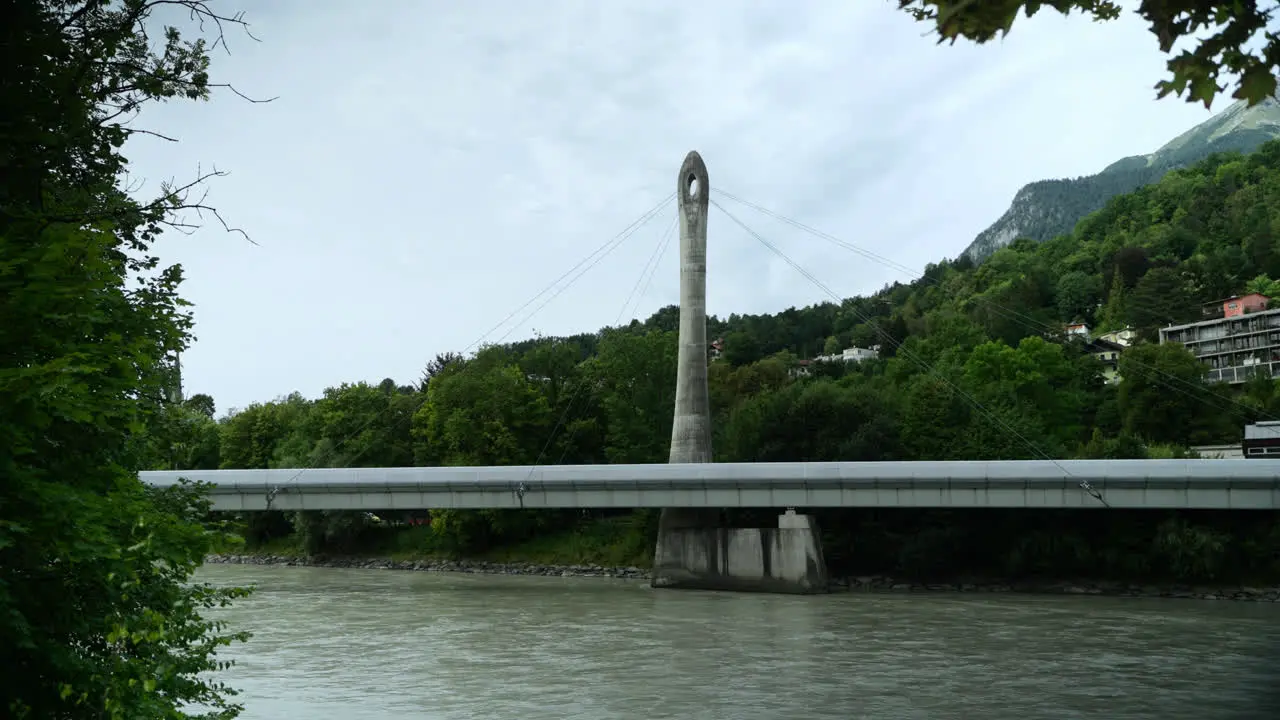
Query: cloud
[{"x": 430, "y": 166}]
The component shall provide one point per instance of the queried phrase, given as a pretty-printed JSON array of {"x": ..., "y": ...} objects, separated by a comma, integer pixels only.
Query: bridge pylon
[{"x": 694, "y": 549}]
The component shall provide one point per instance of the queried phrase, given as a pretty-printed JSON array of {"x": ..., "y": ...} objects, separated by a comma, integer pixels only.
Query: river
[{"x": 334, "y": 644}]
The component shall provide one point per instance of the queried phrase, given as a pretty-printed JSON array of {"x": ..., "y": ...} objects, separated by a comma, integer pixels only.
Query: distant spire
[{"x": 174, "y": 391}]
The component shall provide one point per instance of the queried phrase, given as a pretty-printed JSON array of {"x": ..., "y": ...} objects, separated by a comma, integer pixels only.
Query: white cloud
[{"x": 430, "y": 166}]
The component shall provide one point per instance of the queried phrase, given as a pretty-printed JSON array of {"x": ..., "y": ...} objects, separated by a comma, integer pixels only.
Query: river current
[{"x": 332, "y": 644}]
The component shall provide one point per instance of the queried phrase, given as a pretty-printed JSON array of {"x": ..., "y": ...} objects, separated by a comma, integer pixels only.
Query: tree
[
  {"x": 1160, "y": 298},
  {"x": 257, "y": 436},
  {"x": 1263, "y": 285},
  {"x": 355, "y": 425},
  {"x": 1193, "y": 72},
  {"x": 635, "y": 377},
  {"x": 1077, "y": 294},
  {"x": 437, "y": 366},
  {"x": 742, "y": 348},
  {"x": 98, "y": 618},
  {"x": 809, "y": 422},
  {"x": 1038, "y": 380},
  {"x": 482, "y": 412},
  {"x": 181, "y": 438},
  {"x": 1113, "y": 313},
  {"x": 1162, "y": 396},
  {"x": 203, "y": 404}
]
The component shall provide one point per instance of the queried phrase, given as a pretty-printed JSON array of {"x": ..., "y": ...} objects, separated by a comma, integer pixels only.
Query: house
[
  {"x": 1108, "y": 353},
  {"x": 1243, "y": 342},
  {"x": 1123, "y": 337},
  {"x": 1237, "y": 306},
  {"x": 1106, "y": 347},
  {"x": 1079, "y": 329},
  {"x": 800, "y": 369},
  {"x": 803, "y": 368},
  {"x": 851, "y": 355},
  {"x": 1218, "y": 452},
  {"x": 1262, "y": 440},
  {"x": 716, "y": 348}
]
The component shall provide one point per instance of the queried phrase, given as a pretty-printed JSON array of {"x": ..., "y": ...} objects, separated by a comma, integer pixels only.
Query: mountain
[{"x": 1049, "y": 208}]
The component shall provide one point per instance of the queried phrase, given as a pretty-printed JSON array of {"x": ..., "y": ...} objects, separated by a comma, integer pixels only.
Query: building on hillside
[
  {"x": 1219, "y": 452},
  {"x": 1078, "y": 329},
  {"x": 853, "y": 354},
  {"x": 1108, "y": 353},
  {"x": 800, "y": 369},
  {"x": 1242, "y": 343},
  {"x": 716, "y": 348},
  {"x": 1105, "y": 347},
  {"x": 1124, "y": 337},
  {"x": 803, "y": 368},
  {"x": 1235, "y": 306},
  {"x": 1238, "y": 306},
  {"x": 1261, "y": 440}
]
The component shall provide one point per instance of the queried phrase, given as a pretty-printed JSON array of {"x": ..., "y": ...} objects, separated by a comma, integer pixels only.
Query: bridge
[
  {"x": 1138, "y": 484},
  {"x": 693, "y": 549}
]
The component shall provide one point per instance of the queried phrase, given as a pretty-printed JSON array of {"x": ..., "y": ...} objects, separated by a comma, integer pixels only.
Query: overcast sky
[{"x": 428, "y": 167}]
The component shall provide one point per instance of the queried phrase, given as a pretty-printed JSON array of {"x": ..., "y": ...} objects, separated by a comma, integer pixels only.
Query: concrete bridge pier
[
  {"x": 702, "y": 555},
  {"x": 694, "y": 549}
]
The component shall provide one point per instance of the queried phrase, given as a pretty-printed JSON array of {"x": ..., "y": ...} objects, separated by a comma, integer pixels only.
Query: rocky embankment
[
  {"x": 865, "y": 583},
  {"x": 458, "y": 566}
]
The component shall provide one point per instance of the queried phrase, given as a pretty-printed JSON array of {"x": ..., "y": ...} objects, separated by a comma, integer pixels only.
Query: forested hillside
[
  {"x": 973, "y": 366},
  {"x": 1049, "y": 208}
]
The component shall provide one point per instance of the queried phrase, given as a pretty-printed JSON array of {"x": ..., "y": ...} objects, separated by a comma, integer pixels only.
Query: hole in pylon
[{"x": 693, "y": 186}]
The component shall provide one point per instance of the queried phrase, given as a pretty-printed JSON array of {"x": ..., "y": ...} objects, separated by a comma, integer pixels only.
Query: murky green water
[{"x": 361, "y": 644}]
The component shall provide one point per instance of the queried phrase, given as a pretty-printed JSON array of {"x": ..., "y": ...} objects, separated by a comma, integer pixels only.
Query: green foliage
[
  {"x": 1263, "y": 285},
  {"x": 1159, "y": 396},
  {"x": 482, "y": 412},
  {"x": 814, "y": 421},
  {"x": 635, "y": 378},
  {"x": 98, "y": 618},
  {"x": 1223, "y": 32}
]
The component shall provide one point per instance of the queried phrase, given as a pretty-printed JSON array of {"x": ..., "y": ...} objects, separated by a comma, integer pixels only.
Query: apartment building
[{"x": 1242, "y": 342}]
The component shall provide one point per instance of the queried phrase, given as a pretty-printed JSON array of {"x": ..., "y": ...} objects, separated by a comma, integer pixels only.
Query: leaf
[{"x": 1257, "y": 83}]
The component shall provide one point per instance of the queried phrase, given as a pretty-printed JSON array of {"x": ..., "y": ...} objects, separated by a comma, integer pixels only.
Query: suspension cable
[
  {"x": 649, "y": 269},
  {"x": 591, "y": 260},
  {"x": 1083, "y": 483}
]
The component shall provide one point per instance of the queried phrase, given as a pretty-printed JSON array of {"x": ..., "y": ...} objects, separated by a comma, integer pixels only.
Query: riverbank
[{"x": 865, "y": 583}]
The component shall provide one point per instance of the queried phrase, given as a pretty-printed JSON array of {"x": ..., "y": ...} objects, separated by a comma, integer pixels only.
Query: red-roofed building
[{"x": 1237, "y": 306}]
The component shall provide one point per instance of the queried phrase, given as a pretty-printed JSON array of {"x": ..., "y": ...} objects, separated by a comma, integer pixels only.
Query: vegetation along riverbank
[{"x": 1122, "y": 553}]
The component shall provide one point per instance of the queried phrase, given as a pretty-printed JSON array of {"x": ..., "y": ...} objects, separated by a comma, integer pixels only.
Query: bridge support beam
[
  {"x": 694, "y": 550},
  {"x": 785, "y": 559}
]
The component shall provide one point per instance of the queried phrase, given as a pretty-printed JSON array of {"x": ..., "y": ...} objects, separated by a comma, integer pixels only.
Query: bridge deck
[{"x": 1204, "y": 484}]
